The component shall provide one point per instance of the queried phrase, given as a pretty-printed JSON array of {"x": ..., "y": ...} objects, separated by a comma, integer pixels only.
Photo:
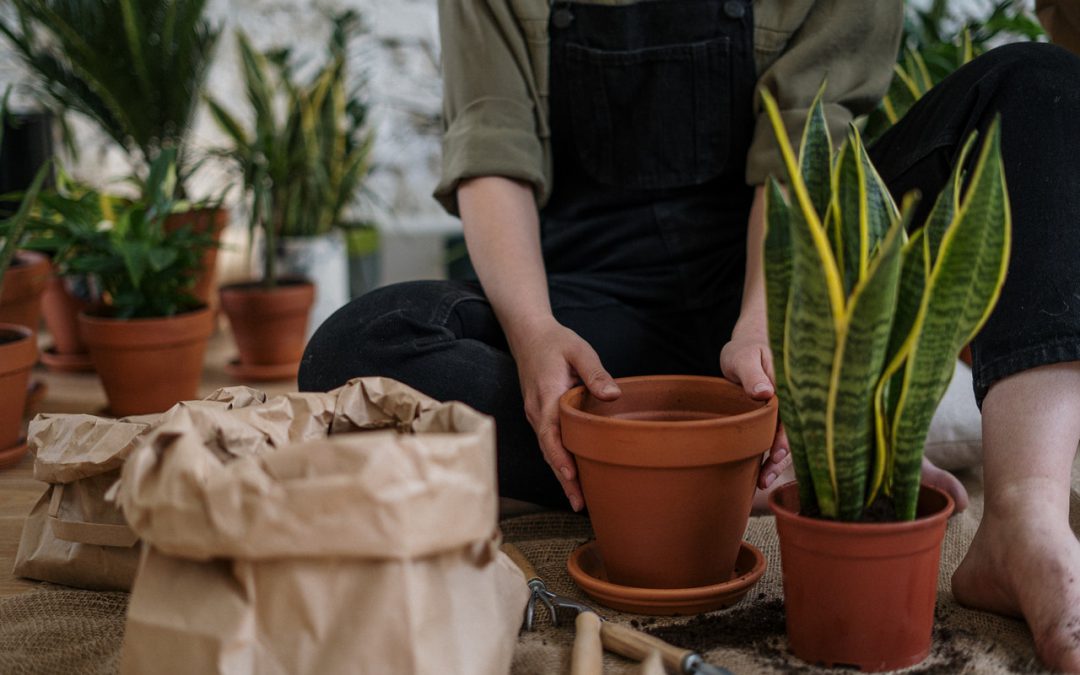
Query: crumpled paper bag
[
  {"x": 74, "y": 535},
  {"x": 348, "y": 532}
]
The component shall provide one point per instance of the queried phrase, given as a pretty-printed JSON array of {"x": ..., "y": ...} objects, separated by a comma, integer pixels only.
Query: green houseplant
[
  {"x": 18, "y": 348},
  {"x": 136, "y": 69},
  {"x": 865, "y": 322},
  {"x": 148, "y": 332},
  {"x": 302, "y": 163}
]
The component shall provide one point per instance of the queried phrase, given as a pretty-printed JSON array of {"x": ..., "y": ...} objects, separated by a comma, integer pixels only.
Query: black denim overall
[{"x": 644, "y": 235}]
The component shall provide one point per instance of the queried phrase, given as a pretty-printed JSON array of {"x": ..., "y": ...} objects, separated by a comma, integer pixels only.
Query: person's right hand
[{"x": 552, "y": 359}]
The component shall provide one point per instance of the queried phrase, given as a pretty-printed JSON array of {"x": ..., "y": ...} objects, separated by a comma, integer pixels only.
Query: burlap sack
[
  {"x": 358, "y": 534},
  {"x": 74, "y": 535}
]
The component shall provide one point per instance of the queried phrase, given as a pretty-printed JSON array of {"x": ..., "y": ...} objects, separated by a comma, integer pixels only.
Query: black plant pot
[{"x": 28, "y": 144}]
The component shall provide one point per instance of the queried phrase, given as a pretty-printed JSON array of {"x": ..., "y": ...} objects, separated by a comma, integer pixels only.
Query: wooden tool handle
[
  {"x": 637, "y": 645},
  {"x": 588, "y": 655},
  {"x": 521, "y": 561}
]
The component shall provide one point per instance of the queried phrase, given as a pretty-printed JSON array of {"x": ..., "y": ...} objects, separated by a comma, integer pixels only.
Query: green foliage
[
  {"x": 306, "y": 157},
  {"x": 140, "y": 268},
  {"x": 14, "y": 228},
  {"x": 936, "y": 42},
  {"x": 865, "y": 322},
  {"x": 134, "y": 67}
]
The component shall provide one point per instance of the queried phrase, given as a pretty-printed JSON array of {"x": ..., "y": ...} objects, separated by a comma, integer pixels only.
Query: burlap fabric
[{"x": 81, "y": 631}]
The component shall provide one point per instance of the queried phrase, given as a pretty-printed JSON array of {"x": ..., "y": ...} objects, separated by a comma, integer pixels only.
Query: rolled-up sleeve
[
  {"x": 490, "y": 117},
  {"x": 851, "y": 44}
]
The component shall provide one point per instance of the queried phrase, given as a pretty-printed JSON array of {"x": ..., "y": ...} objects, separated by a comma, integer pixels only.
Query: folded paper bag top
[{"x": 389, "y": 474}]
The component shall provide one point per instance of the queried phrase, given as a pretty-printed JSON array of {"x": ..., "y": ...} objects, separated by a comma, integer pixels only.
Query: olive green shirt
[{"x": 495, "y": 69}]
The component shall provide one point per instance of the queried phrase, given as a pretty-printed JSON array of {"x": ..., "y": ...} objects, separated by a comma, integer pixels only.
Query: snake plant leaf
[
  {"x": 861, "y": 351},
  {"x": 912, "y": 281},
  {"x": 962, "y": 289},
  {"x": 815, "y": 315},
  {"x": 948, "y": 202},
  {"x": 815, "y": 156},
  {"x": 778, "y": 256}
]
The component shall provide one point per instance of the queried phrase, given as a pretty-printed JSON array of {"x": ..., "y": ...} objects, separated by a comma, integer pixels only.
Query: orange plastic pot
[
  {"x": 207, "y": 221},
  {"x": 148, "y": 365},
  {"x": 24, "y": 282},
  {"x": 860, "y": 594},
  {"x": 18, "y": 353},
  {"x": 269, "y": 324},
  {"x": 668, "y": 471}
]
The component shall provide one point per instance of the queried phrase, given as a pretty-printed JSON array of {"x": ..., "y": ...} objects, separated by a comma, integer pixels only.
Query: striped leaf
[
  {"x": 778, "y": 256},
  {"x": 861, "y": 351},
  {"x": 948, "y": 202},
  {"x": 814, "y": 317},
  {"x": 963, "y": 286},
  {"x": 815, "y": 156}
]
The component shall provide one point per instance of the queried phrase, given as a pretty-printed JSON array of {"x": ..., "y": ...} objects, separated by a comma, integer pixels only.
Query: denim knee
[{"x": 363, "y": 337}]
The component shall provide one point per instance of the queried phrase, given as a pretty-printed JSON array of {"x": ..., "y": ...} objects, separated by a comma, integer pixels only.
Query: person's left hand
[{"x": 747, "y": 360}]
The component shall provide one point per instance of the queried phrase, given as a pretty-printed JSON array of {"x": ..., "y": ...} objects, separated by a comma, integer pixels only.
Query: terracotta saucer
[
  {"x": 13, "y": 455},
  {"x": 277, "y": 371},
  {"x": 66, "y": 363},
  {"x": 587, "y": 570}
]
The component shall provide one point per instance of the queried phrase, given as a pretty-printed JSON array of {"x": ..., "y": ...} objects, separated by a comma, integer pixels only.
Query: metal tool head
[
  {"x": 694, "y": 664},
  {"x": 552, "y": 602}
]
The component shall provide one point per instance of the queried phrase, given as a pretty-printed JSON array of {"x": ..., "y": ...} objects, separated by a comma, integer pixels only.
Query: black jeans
[{"x": 443, "y": 338}]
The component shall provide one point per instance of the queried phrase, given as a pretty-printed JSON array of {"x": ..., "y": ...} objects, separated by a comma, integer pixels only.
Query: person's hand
[
  {"x": 552, "y": 359},
  {"x": 747, "y": 360}
]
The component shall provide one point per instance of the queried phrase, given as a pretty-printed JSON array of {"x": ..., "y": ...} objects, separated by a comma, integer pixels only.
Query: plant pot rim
[
  {"x": 89, "y": 317},
  {"x": 23, "y": 331},
  {"x": 256, "y": 285},
  {"x": 824, "y": 525},
  {"x": 566, "y": 407}
]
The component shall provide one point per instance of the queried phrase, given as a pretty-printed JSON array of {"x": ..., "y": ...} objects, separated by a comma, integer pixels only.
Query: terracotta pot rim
[
  {"x": 839, "y": 526},
  {"x": 253, "y": 286},
  {"x": 87, "y": 317},
  {"x": 565, "y": 408}
]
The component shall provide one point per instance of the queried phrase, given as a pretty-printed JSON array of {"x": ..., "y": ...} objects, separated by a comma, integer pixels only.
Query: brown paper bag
[
  {"x": 75, "y": 535},
  {"x": 355, "y": 533}
]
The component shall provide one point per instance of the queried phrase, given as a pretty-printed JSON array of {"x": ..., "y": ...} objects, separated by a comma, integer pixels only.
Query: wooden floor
[{"x": 82, "y": 393}]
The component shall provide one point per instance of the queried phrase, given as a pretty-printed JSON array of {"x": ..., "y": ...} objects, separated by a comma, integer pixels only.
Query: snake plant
[{"x": 865, "y": 319}]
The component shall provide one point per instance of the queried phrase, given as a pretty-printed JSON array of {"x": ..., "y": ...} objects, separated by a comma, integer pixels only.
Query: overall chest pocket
[{"x": 652, "y": 118}]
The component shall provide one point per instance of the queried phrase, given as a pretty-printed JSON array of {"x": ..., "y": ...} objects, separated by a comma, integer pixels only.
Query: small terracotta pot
[
  {"x": 148, "y": 365},
  {"x": 668, "y": 471},
  {"x": 18, "y": 353},
  {"x": 269, "y": 324},
  {"x": 860, "y": 594},
  {"x": 24, "y": 283},
  {"x": 209, "y": 221},
  {"x": 61, "y": 309}
]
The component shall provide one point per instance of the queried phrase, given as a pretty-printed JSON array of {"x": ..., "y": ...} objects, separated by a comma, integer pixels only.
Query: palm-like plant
[
  {"x": 865, "y": 321},
  {"x": 134, "y": 67},
  {"x": 303, "y": 162}
]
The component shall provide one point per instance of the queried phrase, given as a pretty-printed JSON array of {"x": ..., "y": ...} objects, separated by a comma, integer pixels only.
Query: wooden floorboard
[{"x": 82, "y": 393}]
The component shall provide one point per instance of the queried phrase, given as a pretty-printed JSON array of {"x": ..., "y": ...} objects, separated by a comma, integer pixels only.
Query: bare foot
[
  {"x": 1029, "y": 568},
  {"x": 943, "y": 480}
]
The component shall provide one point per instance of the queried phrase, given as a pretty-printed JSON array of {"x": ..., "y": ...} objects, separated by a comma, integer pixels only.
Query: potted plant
[
  {"x": 18, "y": 346},
  {"x": 147, "y": 333},
  {"x": 134, "y": 69},
  {"x": 300, "y": 169},
  {"x": 865, "y": 322}
]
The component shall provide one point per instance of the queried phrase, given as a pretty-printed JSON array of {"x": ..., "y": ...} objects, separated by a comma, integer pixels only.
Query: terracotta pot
[
  {"x": 148, "y": 365},
  {"x": 860, "y": 594},
  {"x": 61, "y": 309},
  {"x": 24, "y": 283},
  {"x": 18, "y": 353},
  {"x": 269, "y": 324},
  {"x": 669, "y": 472},
  {"x": 213, "y": 222}
]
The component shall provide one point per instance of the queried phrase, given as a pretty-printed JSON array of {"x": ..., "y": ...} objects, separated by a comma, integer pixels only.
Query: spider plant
[
  {"x": 865, "y": 319},
  {"x": 134, "y": 67},
  {"x": 306, "y": 157}
]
